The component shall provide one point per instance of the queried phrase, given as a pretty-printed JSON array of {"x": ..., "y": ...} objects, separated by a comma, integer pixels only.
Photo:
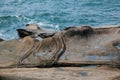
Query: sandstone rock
[
  {"x": 83, "y": 50},
  {"x": 60, "y": 73},
  {"x": 81, "y": 44},
  {"x": 35, "y": 31}
]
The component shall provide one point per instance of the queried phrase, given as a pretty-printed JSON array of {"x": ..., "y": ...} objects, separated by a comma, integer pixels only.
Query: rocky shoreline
[{"x": 75, "y": 53}]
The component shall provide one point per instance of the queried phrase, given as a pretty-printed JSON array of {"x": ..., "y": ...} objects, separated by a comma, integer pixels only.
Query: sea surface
[{"x": 56, "y": 14}]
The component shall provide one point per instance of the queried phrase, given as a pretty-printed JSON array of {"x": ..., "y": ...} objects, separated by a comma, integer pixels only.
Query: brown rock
[
  {"x": 74, "y": 47},
  {"x": 60, "y": 73},
  {"x": 34, "y": 30},
  {"x": 84, "y": 44}
]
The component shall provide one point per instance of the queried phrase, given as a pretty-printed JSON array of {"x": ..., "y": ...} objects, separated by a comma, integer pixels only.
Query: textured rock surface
[
  {"x": 84, "y": 46},
  {"x": 34, "y": 30},
  {"x": 60, "y": 73}
]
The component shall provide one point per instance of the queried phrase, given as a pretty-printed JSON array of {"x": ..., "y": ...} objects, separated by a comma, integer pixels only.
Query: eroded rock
[
  {"x": 34, "y": 30},
  {"x": 60, "y": 73},
  {"x": 73, "y": 44},
  {"x": 81, "y": 49}
]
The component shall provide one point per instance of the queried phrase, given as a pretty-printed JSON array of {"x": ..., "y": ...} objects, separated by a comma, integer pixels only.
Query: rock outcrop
[
  {"x": 72, "y": 44},
  {"x": 73, "y": 47},
  {"x": 60, "y": 73}
]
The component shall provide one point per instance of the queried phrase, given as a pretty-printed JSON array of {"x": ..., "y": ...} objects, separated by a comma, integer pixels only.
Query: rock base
[{"x": 61, "y": 73}]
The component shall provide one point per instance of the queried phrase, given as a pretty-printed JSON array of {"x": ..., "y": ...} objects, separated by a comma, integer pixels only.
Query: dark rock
[
  {"x": 23, "y": 33},
  {"x": 84, "y": 31},
  {"x": 1, "y": 40},
  {"x": 46, "y": 35},
  {"x": 70, "y": 27}
]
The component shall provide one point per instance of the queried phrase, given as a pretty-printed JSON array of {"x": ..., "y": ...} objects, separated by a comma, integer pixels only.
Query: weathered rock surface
[
  {"x": 34, "y": 30},
  {"x": 85, "y": 44},
  {"x": 60, "y": 73},
  {"x": 73, "y": 46}
]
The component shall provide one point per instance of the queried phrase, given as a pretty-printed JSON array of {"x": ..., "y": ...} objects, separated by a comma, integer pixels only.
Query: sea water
[{"x": 56, "y": 14}]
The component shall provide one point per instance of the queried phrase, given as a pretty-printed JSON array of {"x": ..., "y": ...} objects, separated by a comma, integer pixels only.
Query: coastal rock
[
  {"x": 1, "y": 40},
  {"x": 34, "y": 30},
  {"x": 85, "y": 44},
  {"x": 60, "y": 73},
  {"x": 73, "y": 53}
]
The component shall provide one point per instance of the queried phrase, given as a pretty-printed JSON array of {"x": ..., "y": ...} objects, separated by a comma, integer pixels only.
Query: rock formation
[
  {"x": 34, "y": 30},
  {"x": 73, "y": 46}
]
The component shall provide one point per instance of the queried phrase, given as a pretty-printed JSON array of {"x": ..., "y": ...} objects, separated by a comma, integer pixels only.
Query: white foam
[
  {"x": 0, "y": 34},
  {"x": 38, "y": 38},
  {"x": 51, "y": 26},
  {"x": 7, "y": 35}
]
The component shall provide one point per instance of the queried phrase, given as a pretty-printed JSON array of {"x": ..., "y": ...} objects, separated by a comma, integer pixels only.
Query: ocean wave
[
  {"x": 14, "y": 17},
  {"x": 8, "y": 34},
  {"x": 56, "y": 14}
]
